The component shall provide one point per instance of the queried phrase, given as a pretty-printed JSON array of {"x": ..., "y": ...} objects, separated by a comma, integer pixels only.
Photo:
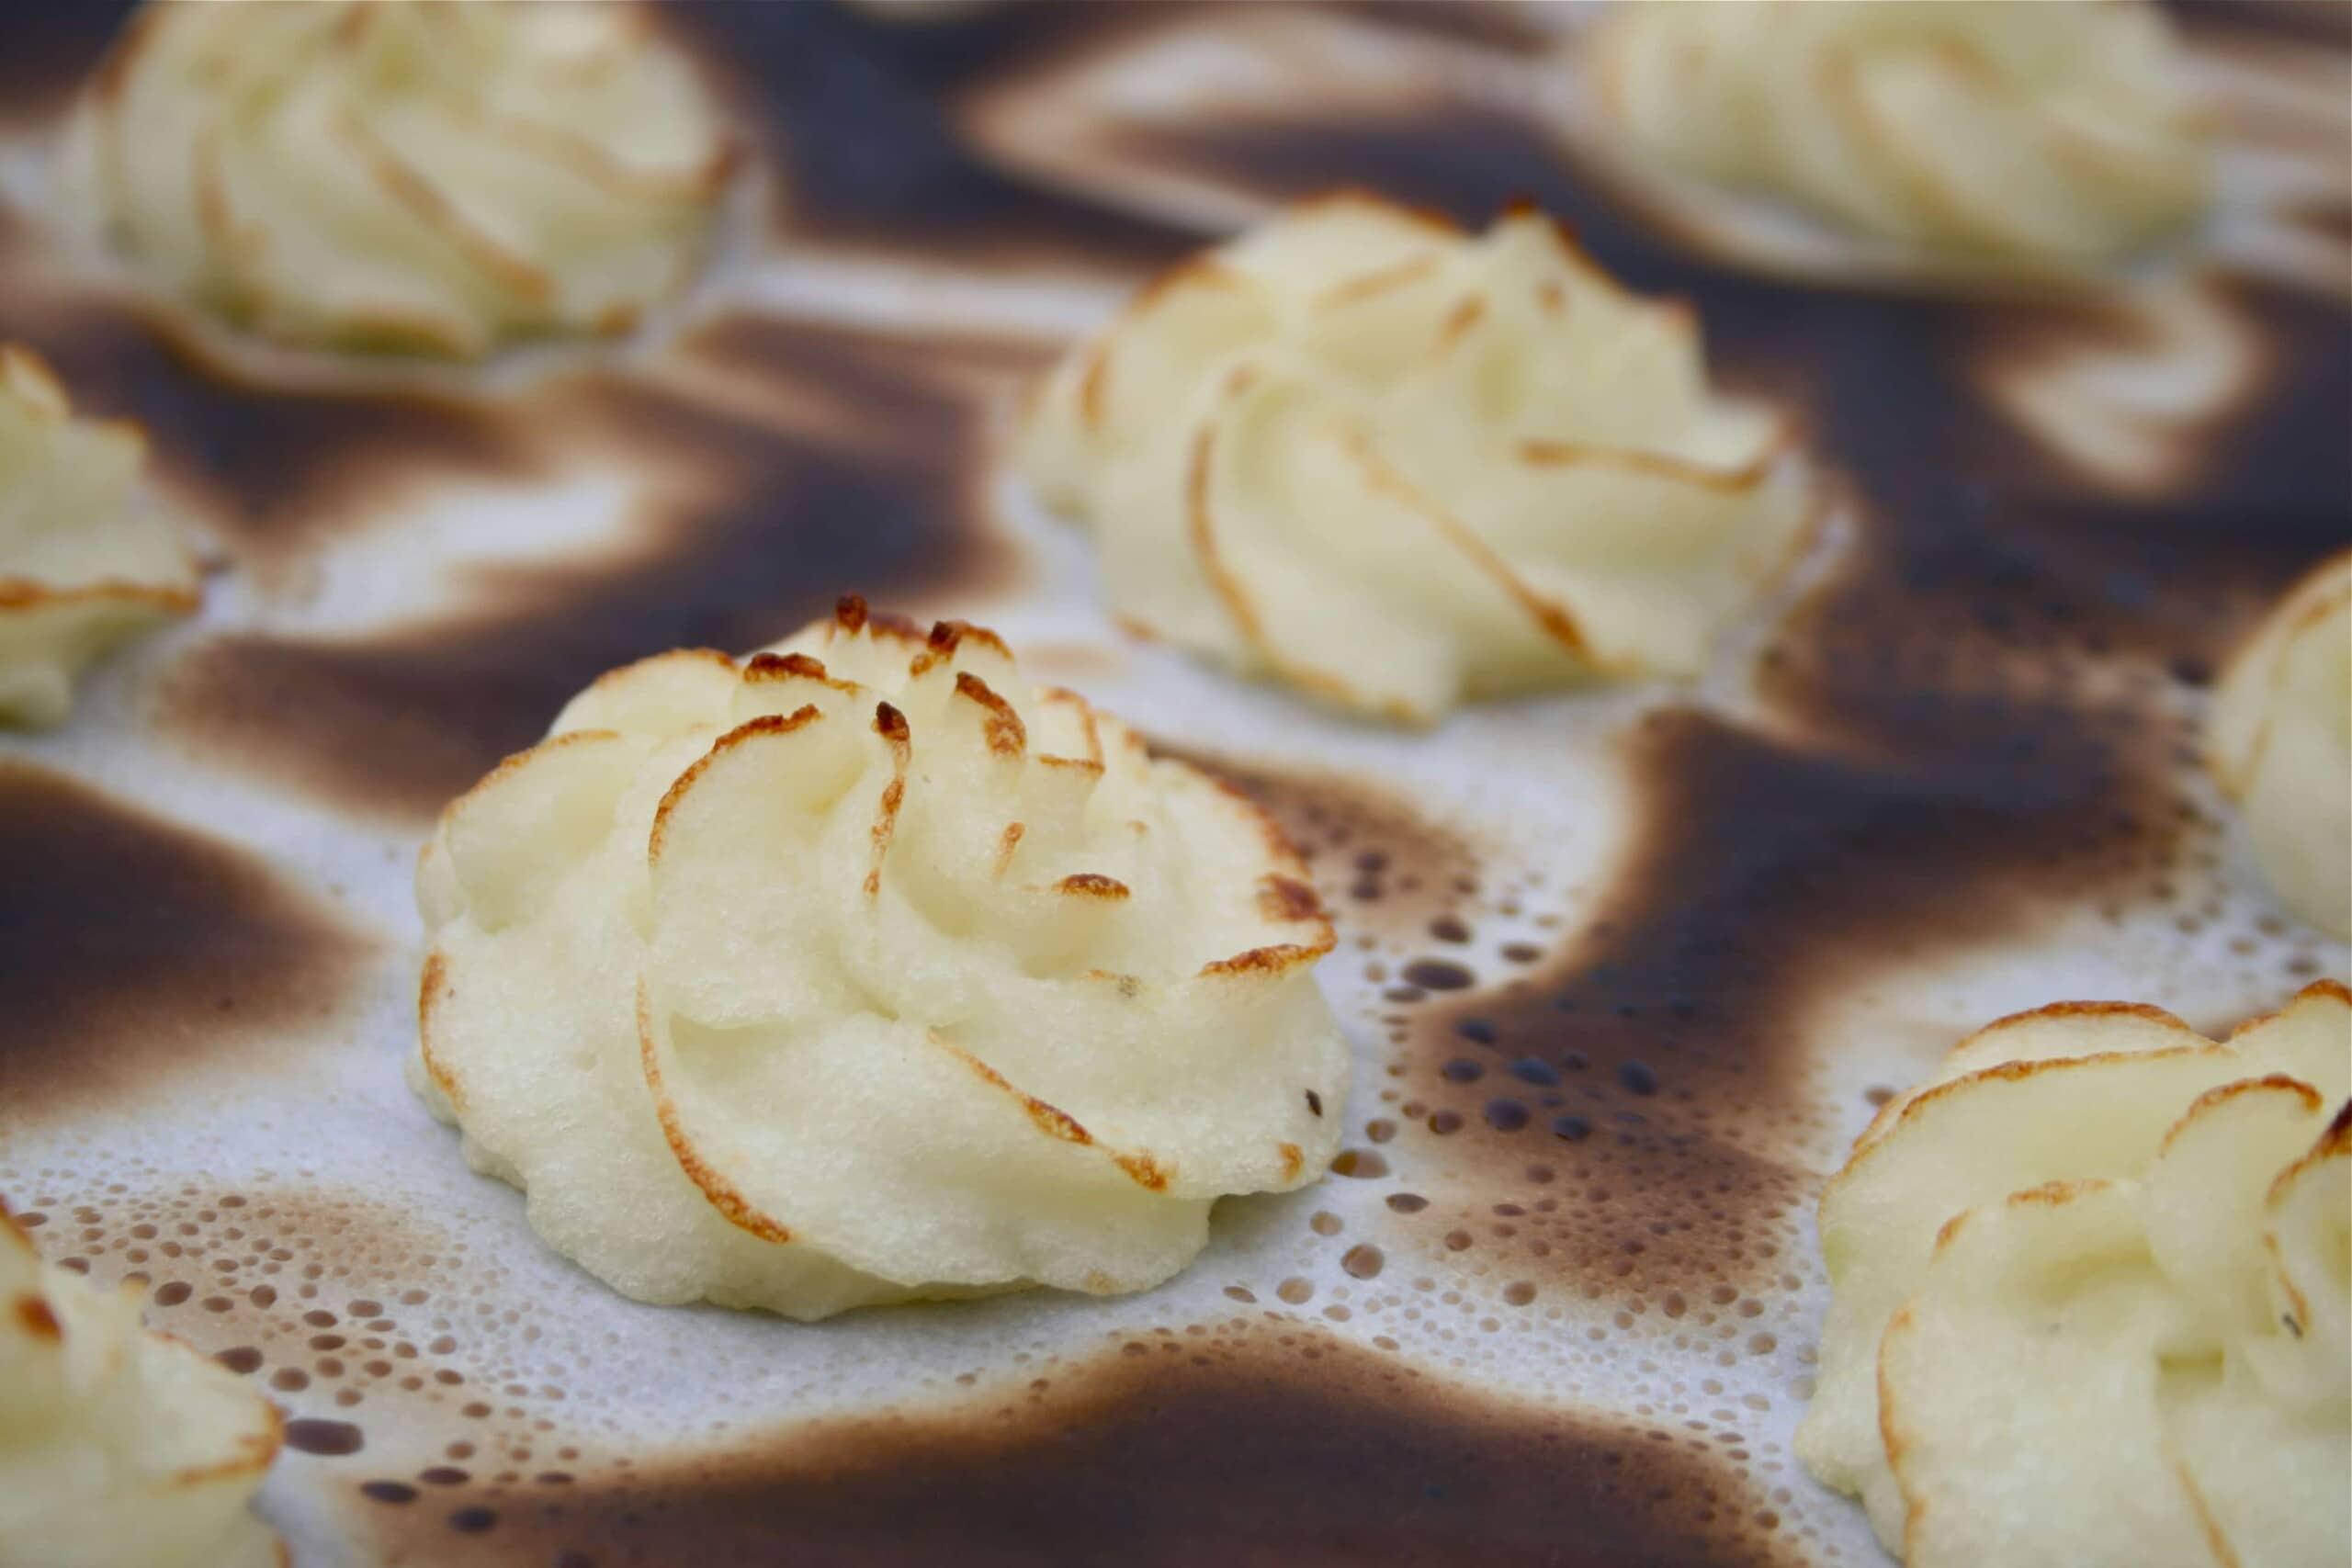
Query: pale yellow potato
[
  {"x": 119, "y": 1446},
  {"x": 391, "y": 174},
  {"x": 1396, "y": 466},
  {"x": 2280, "y": 741},
  {"x": 2074, "y": 1094},
  {"x": 861, "y": 970},
  {"x": 86, "y": 562},
  {"x": 2020, "y": 1389},
  {"x": 2052, "y": 131},
  {"x": 2074, "y": 1383}
]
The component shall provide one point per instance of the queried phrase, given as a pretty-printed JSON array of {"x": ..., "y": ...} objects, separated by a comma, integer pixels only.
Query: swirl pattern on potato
[
  {"x": 2040, "y": 133},
  {"x": 2090, "y": 1295},
  {"x": 1396, "y": 466},
  {"x": 381, "y": 174},
  {"x": 862, "y": 970}
]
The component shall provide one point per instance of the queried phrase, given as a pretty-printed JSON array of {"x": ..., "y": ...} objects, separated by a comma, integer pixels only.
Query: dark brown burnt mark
[
  {"x": 1661, "y": 1064},
  {"x": 2316, "y": 21},
  {"x": 274, "y": 470},
  {"x": 1257, "y": 1445},
  {"x": 755, "y": 531},
  {"x": 885, "y": 380},
  {"x": 1378, "y": 863},
  {"x": 52, "y": 51},
  {"x": 133, "y": 949},
  {"x": 857, "y": 117}
]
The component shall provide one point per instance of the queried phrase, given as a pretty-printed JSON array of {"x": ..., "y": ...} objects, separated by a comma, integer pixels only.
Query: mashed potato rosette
[
  {"x": 2050, "y": 131},
  {"x": 862, "y": 970},
  {"x": 86, "y": 560},
  {"x": 2089, "y": 1296},
  {"x": 388, "y": 174},
  {"x": 117, "y": 1445},
  {"x": 1396, "y": 466}
]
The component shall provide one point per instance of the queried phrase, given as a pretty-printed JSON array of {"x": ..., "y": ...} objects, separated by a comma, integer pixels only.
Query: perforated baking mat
[{"x": 1624, "y": 968}]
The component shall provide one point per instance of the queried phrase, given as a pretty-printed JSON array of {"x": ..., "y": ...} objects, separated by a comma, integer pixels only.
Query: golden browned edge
[
  {"x": 2206, "y": 1524},
  {"x": 750, "y": 729},
  {"x": 1227, "y": 585},
  {"x": 1062, "y": 696},
  {"x": 2335, "y": 989},
  {"x": 1053, "y": 1121},
  {"x": 1890, "y": 1438},
  {"x": 682, "y": 186},
  {"x": 2010, "y": 1071},
  {"x": 945, "y": 637},
  {"x": 721, "y": 1193},
  {"x": 762, "y": 667},
  {"x": 1364, "y": 285},
  {"x": 1283, "y": 901},
  {"x": 620, "y": 673},
  {"x": 2221, "y": 1094},
  {"x": 2334, "y": 1143},
  {"x": 1552, "y": 618},
  {"x": 1007, "y": 842},
  {"x": 2326, "y": 595},
  {"x": 399, "y": 180},
  {"x": 1140, "y": 1165},
  {"x": 1893, "y": 1109},
  {"x": 516, "y": 761},
  {"x": 1665, "y": 465},
  {"x": 892, "y": 725},
  {"x": 254, "y": 1450},
  {"x": 1201, "y": 269},
  {"x": 432, "y": 989},
  {"x": 1006, "y": 734}
]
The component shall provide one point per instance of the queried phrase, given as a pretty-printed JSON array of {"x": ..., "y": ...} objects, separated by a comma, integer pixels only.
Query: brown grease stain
[
  {"x": 133, "y": 949},
  {"x": 757, "y": 529},
  {"x": 856, "y": 116},
  {"x": 1260, "y": 1445}
]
